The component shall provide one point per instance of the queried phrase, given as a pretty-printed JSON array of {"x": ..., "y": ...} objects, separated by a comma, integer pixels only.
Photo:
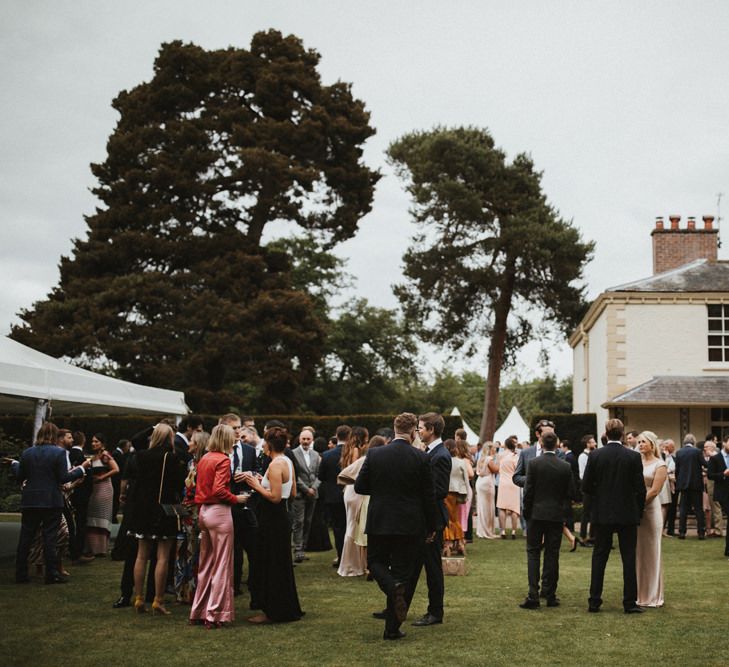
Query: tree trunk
[{"x": 497, "y": 347}]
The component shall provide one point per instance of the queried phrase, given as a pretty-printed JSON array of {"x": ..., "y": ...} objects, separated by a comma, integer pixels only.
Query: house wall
[{"x": 666, "y": 422}]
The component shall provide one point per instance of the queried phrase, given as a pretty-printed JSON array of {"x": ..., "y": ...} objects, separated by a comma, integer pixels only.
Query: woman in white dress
[
  {"x": 648, "y": 558},
  {"x": 353, "y": 562},
  {"x": 486, "y": 492}
]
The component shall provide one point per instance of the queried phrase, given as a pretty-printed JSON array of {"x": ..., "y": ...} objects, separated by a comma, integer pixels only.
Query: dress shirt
[
  {"x": 582, "y": 462},
  {"x": 307, "y": 457},
  {"x": 433, "y": 445},
  {"x": 726, "y": 458},
  {"x": 235, "y": 458}
]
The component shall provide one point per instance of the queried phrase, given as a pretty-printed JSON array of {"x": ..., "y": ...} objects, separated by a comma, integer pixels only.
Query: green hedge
[
  {"x": 570, "y": 427},
  {"x": 117, "y": 427}
]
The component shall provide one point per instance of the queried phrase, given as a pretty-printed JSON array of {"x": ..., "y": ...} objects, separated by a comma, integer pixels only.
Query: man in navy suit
[
  {"x": 401, "y": 515},
  {"x": 42, "y": 470},
  {"x": 719, "y": 472},
  {"x": 614, "y": 479},
  {"x": 430, "y": 428},
  {"x": 329, "y": 469},
  {"x": 690, "y": 484}
]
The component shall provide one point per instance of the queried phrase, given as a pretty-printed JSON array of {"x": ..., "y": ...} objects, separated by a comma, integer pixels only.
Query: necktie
[{"x": 236, "y": 459}]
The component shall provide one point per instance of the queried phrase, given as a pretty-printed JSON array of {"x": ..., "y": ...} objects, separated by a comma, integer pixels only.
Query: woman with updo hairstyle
[
  {"x": 213, "y": 602},
  {"x": 353, "y": 562},
  {"x": 274, "y": 586},
  {"x": 508, "y": 502}
]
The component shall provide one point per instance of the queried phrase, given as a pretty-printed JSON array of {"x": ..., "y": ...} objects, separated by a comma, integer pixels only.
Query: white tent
[
  {"x": 514, "y": 424},
  {"x": 471, "y": 435},
  {"x": 29, "y": 379}
]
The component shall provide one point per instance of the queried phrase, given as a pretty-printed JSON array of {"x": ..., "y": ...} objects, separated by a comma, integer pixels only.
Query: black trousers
[
  {"x": 338, "y": 521},
  {"x": 691, "y": 500},
  {"x": 390, "y": 559},
  {"x": 81, "y": 512},
  {"x": 49, "y": 520},
  {"x": 244, "y": 541},
  {"x": 70, "y": 517},
  {"x": 549, "y": 532},
  {"x": 429, "y": 556},
  {"x": 627, "y": 539},
  {"x": 586, "y": 517},
  {"x": 671, "y": 515}
]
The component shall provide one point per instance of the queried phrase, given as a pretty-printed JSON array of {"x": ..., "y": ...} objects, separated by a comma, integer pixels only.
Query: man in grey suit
[{"x": 307, "y": 461}]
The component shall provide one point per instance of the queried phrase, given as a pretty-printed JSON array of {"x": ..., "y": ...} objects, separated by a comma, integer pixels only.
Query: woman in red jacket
[{"x": 213, "y": 603}]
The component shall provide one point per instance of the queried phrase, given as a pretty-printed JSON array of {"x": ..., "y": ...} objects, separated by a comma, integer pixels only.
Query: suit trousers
[
  {"x": 338, "y": 521},
  {"x": 390, "y": 559},
  {"x": 70, "y": 517},
  {"x": 49, "y": 520},
  {"x": 302, "y": 508},
  {"x": 429, "y": 556},
  {"x": 691, "y": 500},
  {"x": 244, "y": 540},
  {"x": 627, "y": 539},
  {"x": 550, "y": 532},
  {"x": 586, "y": 517},
  {"x": 81, "y": 510},
  {"x": 671, "y": 516}
]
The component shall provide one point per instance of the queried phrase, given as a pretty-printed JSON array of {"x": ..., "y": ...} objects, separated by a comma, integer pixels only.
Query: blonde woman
[
  {"x": 463, "y": 452},
  {"x": 158, "y": 478},
  {"x": 648, "y": 558},
  {"x": 508, "y": 501},
  {"x": 486, "y": 492},
  {"x": 453, "y": 537},
  {"x": 213, "y": 602}
]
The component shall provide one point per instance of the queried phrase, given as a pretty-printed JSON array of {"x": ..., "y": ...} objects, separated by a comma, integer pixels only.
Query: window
[
  {"x": 718, "y": 332},
  {"x": 720, "y": 422}
]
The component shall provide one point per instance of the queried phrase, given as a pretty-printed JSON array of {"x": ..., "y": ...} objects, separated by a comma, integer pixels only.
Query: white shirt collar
[
  {"x": 434, "y": 444},
  {"x": 184, "y": 437}
]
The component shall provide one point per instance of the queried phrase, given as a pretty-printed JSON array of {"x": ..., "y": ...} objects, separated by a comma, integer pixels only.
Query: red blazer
[{"x": 213, "y": 480}]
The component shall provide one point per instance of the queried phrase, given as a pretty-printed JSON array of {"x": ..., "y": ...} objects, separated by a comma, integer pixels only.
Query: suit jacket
[
  {"x": 689, "y": 462},
  {"x": 549, "y": 488},
  {"x": 247, "y": 463},
  {"x": 526, "y": 455},
  {"x": 398, "y": 480},
  {"x": 180, "y": 448},
  {"x": 121, "y": 460},
  {"x": 614, "y": 479},
  {"x": 82, "y": 493},
  {"x": 441, "y": 463},
  {"x": 44, "y": 468},
  {"x": 307, "y": 477},
  {"x": 717, "y": 466},
  {"x": 329, "y": 468}
]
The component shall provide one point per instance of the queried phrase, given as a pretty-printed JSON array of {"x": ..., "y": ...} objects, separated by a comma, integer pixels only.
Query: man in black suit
[
  {"x": 402, "y": 509},
  {"x": 120, "y": 455},
  {"x": 690, "y": 484},
  {"x": 614, "y": 479},
  {"x": 719, "y": 472},
  {"x": 80, "y": 496},
  {"x": 187, "y": 426},
  {"x": 548, "y": 492},
  {"x": 430, "y": 429},
  {"x": 329, "y": 469}
]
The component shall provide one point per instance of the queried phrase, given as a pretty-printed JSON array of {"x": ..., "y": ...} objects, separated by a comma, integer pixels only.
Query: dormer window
[{"x": 718, "y": 332}]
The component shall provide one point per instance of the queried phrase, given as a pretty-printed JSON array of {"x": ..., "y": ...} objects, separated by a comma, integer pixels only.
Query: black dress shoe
[
  {"x": 553, "y": 602},
  {"x": 56, "y": 579},
  {"x": 382, "y": 615},
  {"x": 702, "y": 537},
  {"x": 428, "y": 619},
  {"x": 393, "y": 635},
  {"x": 593, "y": 609},
  {"x": 634, "y": 610},
  {"x": 530, "y": 603},
  {"x": 22, "y": 580},
  {"x": 681, "y": 537},
  {"x": 121, "y": 602}
]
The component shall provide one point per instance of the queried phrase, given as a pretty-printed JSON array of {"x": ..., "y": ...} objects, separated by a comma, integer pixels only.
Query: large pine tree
[{"x": 173, "y": 285}]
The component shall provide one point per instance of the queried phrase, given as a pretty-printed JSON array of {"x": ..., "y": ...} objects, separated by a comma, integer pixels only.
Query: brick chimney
[{"x": 675, "y": 246}]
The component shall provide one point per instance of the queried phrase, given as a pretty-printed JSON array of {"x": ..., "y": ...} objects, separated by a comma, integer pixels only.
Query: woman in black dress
[
  {"x": 274, "y": 585},
  {"x": 159, "y": 476}
]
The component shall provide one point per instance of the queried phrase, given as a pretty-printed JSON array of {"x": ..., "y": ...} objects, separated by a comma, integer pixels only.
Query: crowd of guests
[{"x": 197, "y": 506}]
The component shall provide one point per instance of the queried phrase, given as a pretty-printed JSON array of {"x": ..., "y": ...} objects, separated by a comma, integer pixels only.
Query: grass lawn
[
  {"x": 9, "y": 517},
  {"x": 74, "y": 624}
]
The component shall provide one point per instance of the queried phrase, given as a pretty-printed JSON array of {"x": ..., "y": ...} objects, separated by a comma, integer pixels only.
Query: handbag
[
  {"x": 454, "y": 566},
  {"x": 177, "y": 510}
]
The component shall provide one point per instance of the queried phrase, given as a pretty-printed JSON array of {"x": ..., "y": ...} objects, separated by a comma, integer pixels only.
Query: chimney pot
[
  {"x": 675, "y": 219},
  {"x": 659, "y": 222},
  {"x": 691, "y": 223},
  {"x": 708, "y": 222}
]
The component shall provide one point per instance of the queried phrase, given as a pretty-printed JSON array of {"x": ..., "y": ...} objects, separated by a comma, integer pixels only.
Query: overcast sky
[{"x": 624, "y": 105}]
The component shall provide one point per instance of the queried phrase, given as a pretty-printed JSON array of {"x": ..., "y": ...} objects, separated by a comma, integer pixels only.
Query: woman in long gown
[
  {"x": 508, "y": 501},
  {"x": 275, "y": 585},
  {"x": 101, "y": 503},
  {"x": 486, "y": 492},
  {"x": 648, "y": 558},
  {"x": 353, "y": 562}
]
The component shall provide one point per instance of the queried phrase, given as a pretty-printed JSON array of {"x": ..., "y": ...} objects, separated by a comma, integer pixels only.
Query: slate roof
[
  {"x": 675, "y": 391},
  {"x": 701, "y": 275}
]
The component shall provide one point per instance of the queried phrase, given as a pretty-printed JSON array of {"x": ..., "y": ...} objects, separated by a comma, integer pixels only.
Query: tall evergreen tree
[
  {"x": 173, "y": 284},
  {"x": 490, "y": 250}
]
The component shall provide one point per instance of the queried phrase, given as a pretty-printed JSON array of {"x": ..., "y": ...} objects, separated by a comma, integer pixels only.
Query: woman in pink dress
[
  {"x": 508, "y": 501},
  {"x": 213, "y": 603}
]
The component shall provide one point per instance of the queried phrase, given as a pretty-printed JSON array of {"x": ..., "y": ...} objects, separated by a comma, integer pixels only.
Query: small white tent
[
  {"x": 514, "y": 424},
  {"x": 29, "y": 379},
  {"x": 471, "y": 435}
]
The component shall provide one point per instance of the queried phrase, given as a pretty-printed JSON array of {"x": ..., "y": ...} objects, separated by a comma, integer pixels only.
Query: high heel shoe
[
  {"x": 158, "y": 607},
  {"x": 574, "y": 544},
  {"x": 139, "y": 606}
]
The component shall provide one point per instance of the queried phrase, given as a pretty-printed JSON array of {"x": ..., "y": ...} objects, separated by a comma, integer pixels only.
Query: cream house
[{"x": 655, "y": 352}]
